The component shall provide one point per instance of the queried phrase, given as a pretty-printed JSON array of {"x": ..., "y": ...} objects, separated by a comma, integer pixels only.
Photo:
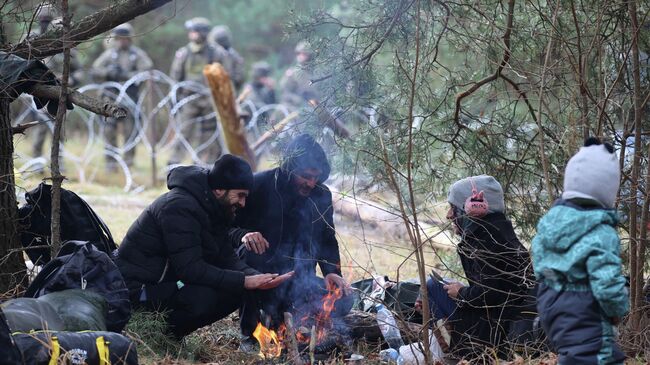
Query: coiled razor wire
[{"x": 157, "y": 126}]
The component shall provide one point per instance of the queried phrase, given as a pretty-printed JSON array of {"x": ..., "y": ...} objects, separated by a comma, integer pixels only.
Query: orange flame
[
  {"x": 269, "y": 340},
  {"x": 323, "y": 320}
]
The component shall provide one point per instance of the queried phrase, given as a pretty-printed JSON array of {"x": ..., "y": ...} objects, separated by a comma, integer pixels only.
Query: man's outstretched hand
[
  {"x": 337, "y": 280},
  {"x": 254, "y": 241},
  {"x": 453, "y": 289},
  {"x": 266, "y": 281}
]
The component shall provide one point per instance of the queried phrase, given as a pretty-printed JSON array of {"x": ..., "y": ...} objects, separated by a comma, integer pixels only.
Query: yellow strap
[
  {"x": 56, "y": 350},
  {"x": 102, "y": 350}
]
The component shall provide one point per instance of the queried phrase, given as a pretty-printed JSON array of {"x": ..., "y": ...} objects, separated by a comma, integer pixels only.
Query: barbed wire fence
[{"x": 158, "y": 127}]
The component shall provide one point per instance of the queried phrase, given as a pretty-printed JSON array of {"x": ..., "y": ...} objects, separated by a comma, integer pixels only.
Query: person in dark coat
[
  {"x": 178, "y": 255},
  {"x": 496, "y": 265},
  {"x": 292, "y": 210}
]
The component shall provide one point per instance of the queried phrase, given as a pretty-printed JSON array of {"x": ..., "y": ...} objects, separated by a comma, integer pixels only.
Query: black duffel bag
[
  {"x": 91, "y": 348},
  {"x": 9, "y": 354}
]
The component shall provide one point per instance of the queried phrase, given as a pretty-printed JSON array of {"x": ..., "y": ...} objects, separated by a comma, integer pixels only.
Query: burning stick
[
  {"x": 290, "y": 343},
  {"x": 312, "y": 344}
]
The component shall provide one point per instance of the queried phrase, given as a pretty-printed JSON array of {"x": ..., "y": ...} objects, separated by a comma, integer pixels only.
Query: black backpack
[
  {"x": 90, "y": 269},
  {"x": 78, "y": 222}
]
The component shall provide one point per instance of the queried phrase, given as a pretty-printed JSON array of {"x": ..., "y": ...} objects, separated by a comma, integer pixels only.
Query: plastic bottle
[
  {"x": 388, "y": 327},
  {"x": 391, "y": 356}
]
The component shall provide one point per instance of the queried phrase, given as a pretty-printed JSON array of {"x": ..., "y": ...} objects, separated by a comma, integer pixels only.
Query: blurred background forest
[{"x": 258, "y": 28}]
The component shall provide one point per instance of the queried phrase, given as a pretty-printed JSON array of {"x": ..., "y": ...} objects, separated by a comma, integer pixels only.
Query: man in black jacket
[
  {"x": 178, "y": 255},
  {"x": 292, "y": 210}
]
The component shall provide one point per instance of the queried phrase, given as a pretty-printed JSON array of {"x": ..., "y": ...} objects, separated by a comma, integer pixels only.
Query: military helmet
[
  {"x": 303, "y": 47},
  {"x": 46, "y": 13},
  {"x": 201, "y": 25},
  {"x": 222, "y": 36},
  {"x": 261, "y": 69},
  {"x": 123, "y": 30}
]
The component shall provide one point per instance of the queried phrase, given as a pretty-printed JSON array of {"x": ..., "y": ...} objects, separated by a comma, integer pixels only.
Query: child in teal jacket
[{"x": 576, "y": 257}]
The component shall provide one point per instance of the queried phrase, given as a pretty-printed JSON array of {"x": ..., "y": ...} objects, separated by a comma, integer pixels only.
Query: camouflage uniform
[
  {"x": 46, "y": 16},
  {"x": 296, "y": 85},
  {"x": 120, "y": 65},
  {"x": 234, "y": 62},
  {"x": 259, "y": 92},
  {"x": 188, "y": 66}
]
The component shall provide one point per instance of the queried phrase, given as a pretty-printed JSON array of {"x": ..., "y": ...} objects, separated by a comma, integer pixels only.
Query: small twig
[
  {"x": 497, "y": 73},
  {"x": 96, "y": 106},
  {"x": 366, "y": 58},
  {"x": 277, "y": 128},
  {"x": 21, "y": 128},
  {"x": 292, "y": 346}
]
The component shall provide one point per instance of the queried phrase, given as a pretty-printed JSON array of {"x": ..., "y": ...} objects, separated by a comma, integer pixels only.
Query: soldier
[
  {"x": 296, "y": 86},
  {"x": 222, "y": 36},
  {"x": 261, "y": 90},
  {"x": 188, "y": 66},
  {"x": 47, "y": 16},
  {"x": 120, "y": 63}
]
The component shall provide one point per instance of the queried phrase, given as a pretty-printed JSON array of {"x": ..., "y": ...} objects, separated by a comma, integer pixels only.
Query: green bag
[
  {"x": 68, "y": 310},
  {"x": 80, "y": 310}
]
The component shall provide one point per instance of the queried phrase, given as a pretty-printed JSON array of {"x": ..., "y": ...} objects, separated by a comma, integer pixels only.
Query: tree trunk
[
  {"x": 223, "y": 97},
  {"x": 12, "y": 265}
]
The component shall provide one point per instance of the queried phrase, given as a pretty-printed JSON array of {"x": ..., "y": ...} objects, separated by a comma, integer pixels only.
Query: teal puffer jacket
[{"x": 578, "y": 249}]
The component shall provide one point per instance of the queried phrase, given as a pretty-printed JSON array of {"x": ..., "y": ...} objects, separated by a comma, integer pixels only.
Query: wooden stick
[
  {"x": 277, "y": 128},
  {"x": 244, "y": 94},
  {"x": 325, "y": 117},
  {"x": 292, "y": 345},
  {"x": 312, "y": 344},
  {"x": 96, "y": 106},
  {"x": 223, "y": 98}
]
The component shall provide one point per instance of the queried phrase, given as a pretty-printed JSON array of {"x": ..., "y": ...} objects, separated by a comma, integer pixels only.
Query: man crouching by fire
[
  {"x": 178, "y": 255},
  {"x": 291, "y": 208}
]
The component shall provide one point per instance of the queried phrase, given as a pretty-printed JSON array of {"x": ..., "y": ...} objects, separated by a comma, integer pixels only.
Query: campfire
[
  {"x": 269, "y": 340},
  {"x": 314, "y": 331}
]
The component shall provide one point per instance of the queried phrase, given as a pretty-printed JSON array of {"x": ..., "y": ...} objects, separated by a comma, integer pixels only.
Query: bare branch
[
  {"x": 96, "y": 106},
  {"x": 497, "y": 72},
  {"x": 51, "y": 42},
  {"x": 21, "y": 128}
]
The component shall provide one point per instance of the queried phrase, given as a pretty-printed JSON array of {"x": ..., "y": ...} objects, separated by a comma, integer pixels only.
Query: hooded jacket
[
  {"x": 183, "y": 235},
  {"x": 497, "y": 268},
  {"x": 580, "y": 248},
  {"x": 300, "y": 231},
  {"x": 576, "y": 254}
]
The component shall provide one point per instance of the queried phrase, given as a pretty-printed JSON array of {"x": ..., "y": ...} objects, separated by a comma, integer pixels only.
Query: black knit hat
[{"x": 230, "y": 172}]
